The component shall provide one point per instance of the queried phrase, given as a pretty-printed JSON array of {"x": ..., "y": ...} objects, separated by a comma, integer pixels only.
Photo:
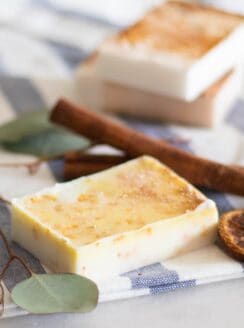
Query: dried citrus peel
[{"x": 231, "y": 233}]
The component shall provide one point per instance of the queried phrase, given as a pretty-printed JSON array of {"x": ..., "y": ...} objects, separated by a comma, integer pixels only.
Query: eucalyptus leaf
[
  {"x": 52, "y": 293},
  {"x": 29, "y": 123},
  {"x": 50, "y": 142},
  {"x": 32, "y": 133}
]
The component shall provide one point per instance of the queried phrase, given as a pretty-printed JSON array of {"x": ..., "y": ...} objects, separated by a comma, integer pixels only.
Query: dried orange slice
[{"x": 231, "y": 233}]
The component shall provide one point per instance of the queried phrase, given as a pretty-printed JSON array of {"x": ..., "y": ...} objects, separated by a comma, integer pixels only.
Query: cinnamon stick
[
  {"x": 197, "y": 170},
  {"x": 84, "y": 164}
]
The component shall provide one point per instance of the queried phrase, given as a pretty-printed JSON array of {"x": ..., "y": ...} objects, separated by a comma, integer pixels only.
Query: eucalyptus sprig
[
  {"x": 32, "y": 133},
  {"x": 48, "y": 292}
]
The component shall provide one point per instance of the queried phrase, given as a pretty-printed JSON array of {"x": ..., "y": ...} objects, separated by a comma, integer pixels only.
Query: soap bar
[
  {"x": 105, "y": 224},
  {"x": 178, "y": 49},
  {"x": 208, "y": 110}
]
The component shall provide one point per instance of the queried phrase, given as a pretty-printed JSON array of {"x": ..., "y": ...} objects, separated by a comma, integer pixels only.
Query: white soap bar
[
  {"x": 178, "y": 49},
  {"x": 115, "y": 221},
  {"x": 208, "y": 110}
]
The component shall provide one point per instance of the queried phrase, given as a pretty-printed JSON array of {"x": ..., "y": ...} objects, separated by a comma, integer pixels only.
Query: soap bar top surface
[
  {"x": 121, "y": 199},
  {"x": 183, "y": 29}
]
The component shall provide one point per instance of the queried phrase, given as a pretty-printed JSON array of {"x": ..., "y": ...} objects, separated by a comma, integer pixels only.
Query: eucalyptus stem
[
  {"x": 1, "y": 299},
  {"x": 24, "y": 264},
  {"x": 5, "y": 268},
  {"x": 33, "y": 165},
  {"x": 11, "y": 258},
  {"x": 6, "y": 244}
]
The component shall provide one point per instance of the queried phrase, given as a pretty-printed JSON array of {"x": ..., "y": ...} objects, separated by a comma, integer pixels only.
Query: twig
[
  {"x": 1, "y": 299},
  {"x": 20, "y": 260},
  {"x": 33, "y": 166},
  {"x": 6, "y": 266},
  {"x": 6, "y": 244},
  {"x": 11, "y": 258}
]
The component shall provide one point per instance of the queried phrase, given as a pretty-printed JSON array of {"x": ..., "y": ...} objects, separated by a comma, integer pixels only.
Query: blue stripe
[
  {"x": 172, "y": 287},
  {"x": 16, "y": 272},
  {"x": 151, "y": 276},
  {"x": 3, "y": 70},
  {"x": 76, "y": 14},
  {"x": 57, "y": 168},
  {"x": 157, "y": 278},
  {"x": 21, "y": 94},
  {"x": 236, "y": 116},
  {"x": 72, "y": 56},
  {"x": 220, "y": 199},
  {"x": 157, "y": 130}
]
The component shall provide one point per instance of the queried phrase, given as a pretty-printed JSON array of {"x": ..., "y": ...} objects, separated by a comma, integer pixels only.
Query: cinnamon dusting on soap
[{"x": 183, "y": 29}]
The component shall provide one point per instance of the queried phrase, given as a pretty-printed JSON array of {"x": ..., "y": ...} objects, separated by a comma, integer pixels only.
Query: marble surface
[{"x": 214, "y": 305}]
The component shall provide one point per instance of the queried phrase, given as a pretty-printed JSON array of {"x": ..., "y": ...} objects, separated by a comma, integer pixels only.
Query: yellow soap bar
[{"x": 111, "y": 222}]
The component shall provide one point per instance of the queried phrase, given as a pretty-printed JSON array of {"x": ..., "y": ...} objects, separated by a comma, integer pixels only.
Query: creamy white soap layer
[
  {"x": 168, "y": 74},
  {"x": 208, "y": 110}
]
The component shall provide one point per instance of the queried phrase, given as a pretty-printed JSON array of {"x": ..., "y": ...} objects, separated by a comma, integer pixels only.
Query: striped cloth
[{"x": 40, "y": 44}]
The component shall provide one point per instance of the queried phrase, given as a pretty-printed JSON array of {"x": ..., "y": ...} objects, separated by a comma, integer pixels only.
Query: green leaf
[
  {"x": 52, "y": 293},
  {"x": 27, "y": 124},
  {"x": 32, "y": 133},
  {"x": 51, "y": 142}
]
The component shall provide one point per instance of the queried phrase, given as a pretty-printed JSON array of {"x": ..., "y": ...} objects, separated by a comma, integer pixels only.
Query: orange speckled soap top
[
  {"x": 115, "y": 201},
  {"x": 184, "y": 29}
]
